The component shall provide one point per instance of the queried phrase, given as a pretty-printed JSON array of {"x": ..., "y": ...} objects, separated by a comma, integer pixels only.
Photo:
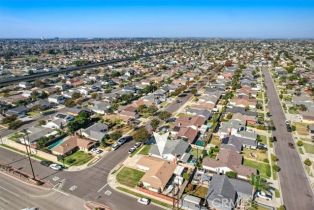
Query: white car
[
  {"x": 263, "y": 195},
  {"x": 115, "y": 146},
  {"x": 55, "y": 166},
  {"x": 144, "y": 201}
]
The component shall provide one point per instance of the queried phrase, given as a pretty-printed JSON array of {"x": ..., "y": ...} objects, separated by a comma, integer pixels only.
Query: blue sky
[{"x": 153, "y": 18}]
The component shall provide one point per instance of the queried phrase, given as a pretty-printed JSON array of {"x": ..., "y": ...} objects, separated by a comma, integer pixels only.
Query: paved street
[
  {"x": 174, "y": 106},
  {"x": 88, "y": 184},
  {"x": 295, "y": 187},
  {"x": 15, "y": 195}
]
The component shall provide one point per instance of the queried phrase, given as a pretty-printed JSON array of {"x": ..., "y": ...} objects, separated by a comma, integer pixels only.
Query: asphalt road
[
  {"x": 89, "y": 184},
  {"x": 15, "y": 195},
  {"x": 295, "y": 187},
  {"x": 174, "y": 106}
]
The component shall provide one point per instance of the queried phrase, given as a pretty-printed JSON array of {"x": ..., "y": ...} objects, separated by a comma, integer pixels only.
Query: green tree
[
  {"x": 259, "y": 183},
  {"x": 154, "y": 123},
  {"x": 115, "y": 135},
  {"x": 164, "y": 115},
  {"x": 141, "y": 135}
]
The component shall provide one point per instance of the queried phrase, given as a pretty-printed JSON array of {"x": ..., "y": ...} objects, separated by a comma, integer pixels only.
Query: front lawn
[
  {"x": 301, "y": 128},
  {"x": 77, "y": 158},
  {"x": 259, "y": 155},
  {"x": 129, "y": 176},
  {"x": 263, "y": 168},
  {"x": 309, "y": 148},
  {"x": 144, "y": 150}
]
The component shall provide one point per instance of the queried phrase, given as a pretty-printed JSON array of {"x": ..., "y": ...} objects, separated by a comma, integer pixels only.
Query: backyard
[
  {"x": 263, "y": 168},
  {"x": 129, "y": 176},
  {"x": 77, "y": 158},
  {"x": 200, "y": 192}
]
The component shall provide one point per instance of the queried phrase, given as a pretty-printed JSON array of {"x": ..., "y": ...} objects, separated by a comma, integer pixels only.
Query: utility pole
[{"x": 28, "y": 154}]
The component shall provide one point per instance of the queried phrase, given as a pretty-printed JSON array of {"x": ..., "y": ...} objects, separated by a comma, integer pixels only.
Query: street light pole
[{"x": 29, "y": 158}]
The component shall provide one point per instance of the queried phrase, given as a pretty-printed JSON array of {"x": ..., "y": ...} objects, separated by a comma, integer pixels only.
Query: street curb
[{"x": 26, "y": 183}]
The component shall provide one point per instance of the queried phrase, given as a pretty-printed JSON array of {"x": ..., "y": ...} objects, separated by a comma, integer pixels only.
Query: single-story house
[
  {"x": 228, "y": 160},
  {"x": 95, "y": 132},
  {"x": 158, "y": 173},
  {"x": 72, "y": 144}
]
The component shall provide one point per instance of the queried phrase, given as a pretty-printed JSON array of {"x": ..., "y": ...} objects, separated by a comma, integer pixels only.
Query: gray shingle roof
[{"x": 175, "y": 147}]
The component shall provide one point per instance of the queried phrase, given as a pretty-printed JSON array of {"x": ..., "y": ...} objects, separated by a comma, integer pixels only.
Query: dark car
[
  {"x": 289, "y": 129},
  {"x": 124, "y": 139},
  {"x": 291, "y": 145},
  {"x": 274, "y": 139},
  {"x": 46, "y": 163}
]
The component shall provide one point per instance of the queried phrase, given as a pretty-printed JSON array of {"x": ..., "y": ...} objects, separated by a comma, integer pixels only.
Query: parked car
[
  {"x": 55, "y": 167},
  {"x": 138, "y": 144},
  {"x": 31, "y": 208},
  {"x": 96, "y": 151},
  {"x": 131, "y": 150},
  {"x": 124, "y": 139},
  {"x": 291, "y": 145},
  {"x": 115, "y": 146},
  {"x": 144, "y": 201},
  {"x": 261, "y": 194},
  {"x": 261, "y": 146},
  {"x": 46, "y": 163}
]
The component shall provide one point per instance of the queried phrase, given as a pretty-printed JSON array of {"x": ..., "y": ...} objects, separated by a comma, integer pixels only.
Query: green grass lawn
[
  {"x": 16, "y": 136},
  {"x": 77, "y": 158},
  {"x": 129, "y": 176},
  {"x": 262, "y": 139},
  {"x": 309, "y": 148},
  {"x": 145, "y": 149},
  {"x": 263, "y": 168}
]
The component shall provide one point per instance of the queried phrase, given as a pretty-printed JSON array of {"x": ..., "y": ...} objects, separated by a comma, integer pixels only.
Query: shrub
[
  {"x": 231, "y": 174},
  {"x": 15, "y": 124},
  {"x": 276, "y": 168},
  {"x": 308, "y": 162},
  {"x": 300, "y": 143}
]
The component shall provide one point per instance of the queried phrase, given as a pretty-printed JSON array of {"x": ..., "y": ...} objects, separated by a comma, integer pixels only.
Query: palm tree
[{"x": 259, "y": 183}]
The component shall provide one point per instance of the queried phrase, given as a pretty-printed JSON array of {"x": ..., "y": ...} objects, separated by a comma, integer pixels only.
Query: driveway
[{"x": 295, "y": 187}]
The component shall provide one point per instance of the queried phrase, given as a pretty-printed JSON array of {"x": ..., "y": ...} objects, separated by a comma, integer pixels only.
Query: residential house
[
  {"x": 129, "y": 112},
  {"x": 95, "y": 132},
  {"x": 224, "y": 193},
  {"x": 101, "y": 107},
  {"x": 230, "y": 127},
  {"x": 158, "y": 173},
  {"x": 171, "y": 150},
  {"x": 57, "y": 99},
  {"x": 19, "y": 111},
  {"x": 228, "y": 160},
  {"x": 72, "y": 144}
]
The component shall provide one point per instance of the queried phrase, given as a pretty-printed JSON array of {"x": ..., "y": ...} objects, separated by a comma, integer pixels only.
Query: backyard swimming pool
[{"x": 54, "y": 144}]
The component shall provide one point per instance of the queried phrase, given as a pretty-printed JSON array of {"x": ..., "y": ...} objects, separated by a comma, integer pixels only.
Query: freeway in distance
[{"x": 12, "y": 80}]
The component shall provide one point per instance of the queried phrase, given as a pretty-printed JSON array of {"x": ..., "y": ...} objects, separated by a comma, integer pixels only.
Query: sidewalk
[{"x": 113, "y": 183}]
